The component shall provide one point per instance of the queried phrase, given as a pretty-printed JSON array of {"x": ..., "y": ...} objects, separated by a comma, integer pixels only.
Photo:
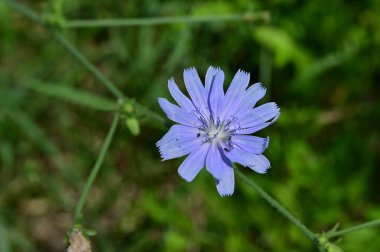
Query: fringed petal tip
[
  {"x": 226, "y": 186},
  {"x": 244, "y": 73},
  {"x": 171, "y": 81},
  {"x": 162, "y": 154},
  {"x": 223, "y": 190},
  {"x": 258, "y": 86},
  {"x": 214, "y": 68},
  {"x": 189, "y": 69},
  {"x": 225, "y": 195},
  {"x": 264, "y": 166}
]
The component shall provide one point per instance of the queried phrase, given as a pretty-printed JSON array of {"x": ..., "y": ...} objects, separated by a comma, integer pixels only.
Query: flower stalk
[
  {"x": 95, "y": 170},
  {"x": 275, "y": 204}
]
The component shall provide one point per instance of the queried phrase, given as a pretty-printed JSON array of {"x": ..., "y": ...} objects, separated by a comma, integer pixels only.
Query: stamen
[{"x": 219, "y": 131}]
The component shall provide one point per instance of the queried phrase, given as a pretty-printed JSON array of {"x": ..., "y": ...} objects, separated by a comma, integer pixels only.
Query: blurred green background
[{"x": 320, "y": 62}]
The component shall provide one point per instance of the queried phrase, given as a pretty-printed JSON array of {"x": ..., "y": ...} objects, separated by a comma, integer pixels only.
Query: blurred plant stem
[
  {"x": 248, "y": 17},
  {"x": 84, "y": 61},
  {"x": 369, "y": 224},
  {"x": 275, "y": 204},
  {"x": 94, "y": 171}
]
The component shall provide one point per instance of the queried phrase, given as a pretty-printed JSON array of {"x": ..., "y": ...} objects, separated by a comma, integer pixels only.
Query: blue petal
[
  {"x": 235, "y": 92},
  {"x": 253, "y": 94},
  {"x": 214, "y": 91},
  {"x": 196, "y": 90},
  {"x": 179, "y": 97},
  {"x": 226, "y": 185},
  {"x": 257, "y": 163},
  {"x": 178, "y": 141},
  {"x": 258, "y": 118},
  {"x": 258, "y": 127},
  {"x": 252, "y": 144},
  {"x": 176, "y": 114},
  {"x": 194, "y": 163},
  {"x": 242, "y": 108},
  {"x": 217, "y": 163},
  {"x": 247, "y": 100},
  {"x": 211, "y": 72}
]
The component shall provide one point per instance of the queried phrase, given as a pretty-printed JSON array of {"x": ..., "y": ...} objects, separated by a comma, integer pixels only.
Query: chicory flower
[{"x": 214, "y": 126}]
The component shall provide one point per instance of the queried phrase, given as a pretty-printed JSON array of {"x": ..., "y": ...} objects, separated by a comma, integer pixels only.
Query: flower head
[{"x": 214, "y": 126}]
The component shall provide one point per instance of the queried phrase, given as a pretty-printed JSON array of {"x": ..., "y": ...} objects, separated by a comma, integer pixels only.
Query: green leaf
[
  {"x": 76, "y": 96},
  {"x": 133, "y": 125},
  {"x": 89, "y": 232}
]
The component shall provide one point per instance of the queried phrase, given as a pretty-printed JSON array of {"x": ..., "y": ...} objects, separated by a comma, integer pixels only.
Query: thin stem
[
  {"x": 353, "y": 229},
  {"x": 94, "y": 171},
  {"x": 265, "y": 16},
  {"x": 275, "y": 204}
]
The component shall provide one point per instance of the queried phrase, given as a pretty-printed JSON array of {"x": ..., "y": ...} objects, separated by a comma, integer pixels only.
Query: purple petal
[
  {"x": 216, "y": 162},
  {"x": 196, "y": 90},
  {"x": 210, "y": 74},
  {"x": 258, "y": 127},
  {"x": 177, "y": 114},
  {"x": 194, "y": 163},
  {"x": 251, "y": 144},
  {"x": 253, "y": 94},
  {"x": 178, "y": 141},
  {"x": 226, "y": 185},
  {"x": 214, "y": 91},
  {"x": 235, "y": 92},
  {"x": 179, "y": 97},
  {"x": 248, "y": 100},
  {"x": 258, "y": 118},
  {"x": 257, "y": 163}
]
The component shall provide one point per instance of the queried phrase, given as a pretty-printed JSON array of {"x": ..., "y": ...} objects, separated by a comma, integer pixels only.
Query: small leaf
[
  {"x": 133, "y": 125},
  {"x": 128, "y": 107},
  {"x": 331, "y": 247},
  {"x": 89, "y": 232}
]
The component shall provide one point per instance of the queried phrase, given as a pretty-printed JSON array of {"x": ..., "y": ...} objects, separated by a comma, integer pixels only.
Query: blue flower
[{"x": 213, "y": 126}]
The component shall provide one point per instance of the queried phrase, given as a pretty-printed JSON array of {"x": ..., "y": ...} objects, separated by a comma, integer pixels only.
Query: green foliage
[
  {"x": 283, "y": 46},
  {"x": 319, "y": 62}
]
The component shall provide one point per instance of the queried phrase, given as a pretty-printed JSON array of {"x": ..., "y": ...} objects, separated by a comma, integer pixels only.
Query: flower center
[{"x": 215, "y": 131}]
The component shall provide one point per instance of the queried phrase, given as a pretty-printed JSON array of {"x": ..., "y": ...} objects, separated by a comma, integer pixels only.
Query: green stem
[
  {"x": 353, "y": 229},
  {"x": 265, "y": 16},
  {"x": 275, "y": 204},
  {"x": 94, "y": 171}
]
